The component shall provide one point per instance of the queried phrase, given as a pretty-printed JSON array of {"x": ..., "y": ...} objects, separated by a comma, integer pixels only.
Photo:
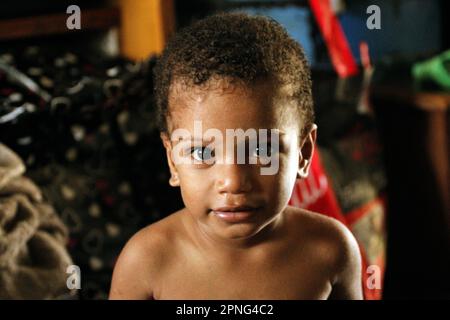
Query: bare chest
[{"x": 288, "y": 277}]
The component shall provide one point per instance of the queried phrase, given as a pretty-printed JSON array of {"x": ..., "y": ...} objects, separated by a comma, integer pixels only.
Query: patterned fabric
[{"x": 93, "y": 148}]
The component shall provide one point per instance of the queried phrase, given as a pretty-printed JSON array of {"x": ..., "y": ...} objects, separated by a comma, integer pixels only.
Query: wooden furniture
[{"x": 144, "y": 25}]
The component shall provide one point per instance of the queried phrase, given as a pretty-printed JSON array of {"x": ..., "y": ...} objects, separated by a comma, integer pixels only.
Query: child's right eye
[{"x": 202, "y": 153}]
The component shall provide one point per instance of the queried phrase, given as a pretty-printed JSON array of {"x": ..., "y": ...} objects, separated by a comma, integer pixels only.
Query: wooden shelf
[
  {"x": 427, "y": 101},
  {"x": 43, "y": 25},
  {"x": 144, "y": 25}
]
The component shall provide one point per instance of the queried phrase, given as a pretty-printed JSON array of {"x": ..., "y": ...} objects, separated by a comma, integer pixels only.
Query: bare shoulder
[
  {"x": 320, "y": 227},
  {"x": 333, "y": 245},
  {"x": 142, "y": 259}
]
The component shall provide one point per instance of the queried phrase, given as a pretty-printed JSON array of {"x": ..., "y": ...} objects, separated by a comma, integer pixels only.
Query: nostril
[
  {"x": 233, "y": 178},
  {"x": 234, "y": 186}
]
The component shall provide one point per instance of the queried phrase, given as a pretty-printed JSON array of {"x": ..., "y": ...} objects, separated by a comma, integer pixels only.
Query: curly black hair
[{"x": 234, "y": 46}]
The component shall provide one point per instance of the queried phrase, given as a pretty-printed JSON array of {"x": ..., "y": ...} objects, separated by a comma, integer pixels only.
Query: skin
[{"x": 282, "y": 252}]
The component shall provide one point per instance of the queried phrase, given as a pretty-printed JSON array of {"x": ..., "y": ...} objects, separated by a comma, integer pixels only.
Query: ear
[
  {"x": 306, "y": 152},
  {"x": 174, "y": 180}
]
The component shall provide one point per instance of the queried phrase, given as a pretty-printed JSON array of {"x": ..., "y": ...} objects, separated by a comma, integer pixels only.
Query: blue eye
[{"x": 202, "y": 153}]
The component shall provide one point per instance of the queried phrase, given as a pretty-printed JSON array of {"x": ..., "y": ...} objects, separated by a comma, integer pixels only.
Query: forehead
[{"x": 222, "y": 105}]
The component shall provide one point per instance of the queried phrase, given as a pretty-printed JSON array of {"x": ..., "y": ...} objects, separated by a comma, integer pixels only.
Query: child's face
[{"x": 208, "y": 186}]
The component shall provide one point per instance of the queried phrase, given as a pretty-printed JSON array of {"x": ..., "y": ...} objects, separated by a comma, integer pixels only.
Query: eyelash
[{"x": 193, "y": 149}]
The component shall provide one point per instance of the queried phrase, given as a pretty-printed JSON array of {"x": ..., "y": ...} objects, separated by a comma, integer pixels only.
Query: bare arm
[
  {"x": 347, "y": 283},
  {"x": 132, "y": 273}
]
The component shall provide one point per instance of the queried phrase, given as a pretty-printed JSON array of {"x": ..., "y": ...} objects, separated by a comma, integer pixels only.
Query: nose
[{"x": 233, "y": 178}]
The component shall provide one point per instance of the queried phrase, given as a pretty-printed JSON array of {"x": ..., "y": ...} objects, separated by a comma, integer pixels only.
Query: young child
[{"x": 237, "y": 238}]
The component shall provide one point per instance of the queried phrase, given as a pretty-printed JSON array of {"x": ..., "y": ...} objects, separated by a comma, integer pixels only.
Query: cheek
[
  {"x": 279, "y": 186},
  {"x": 283, "y": 183},
  {"x": 193, "y": 187}
]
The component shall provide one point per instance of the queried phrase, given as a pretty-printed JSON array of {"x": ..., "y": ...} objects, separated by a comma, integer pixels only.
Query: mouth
[{"x": 235, "y": 214}]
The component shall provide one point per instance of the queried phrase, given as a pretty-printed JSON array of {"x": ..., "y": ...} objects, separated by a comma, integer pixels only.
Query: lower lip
[{"x": 233, "y": 217}]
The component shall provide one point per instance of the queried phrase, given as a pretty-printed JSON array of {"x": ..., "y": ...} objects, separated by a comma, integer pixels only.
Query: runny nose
[{"x": 233, "y": 178}]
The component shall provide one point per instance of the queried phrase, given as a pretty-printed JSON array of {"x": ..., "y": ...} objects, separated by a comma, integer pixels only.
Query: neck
[{"x": 235, "y": 246}]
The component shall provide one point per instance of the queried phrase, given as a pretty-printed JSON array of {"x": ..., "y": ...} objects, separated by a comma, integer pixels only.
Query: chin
[{"x": 240, "y": 231}]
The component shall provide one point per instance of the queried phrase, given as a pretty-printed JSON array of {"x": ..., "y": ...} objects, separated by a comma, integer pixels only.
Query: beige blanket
[{"x": 33, "y": 257}]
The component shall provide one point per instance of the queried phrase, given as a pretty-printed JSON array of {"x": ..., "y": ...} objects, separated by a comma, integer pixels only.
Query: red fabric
[
  {"x": 365, "y": 56},
  {"x": 352, "y": 218},
  {"x": 338, "y": 48}
]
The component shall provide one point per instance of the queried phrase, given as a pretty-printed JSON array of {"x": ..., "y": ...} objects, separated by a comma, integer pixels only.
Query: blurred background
[{"x": 82, "y": 167}]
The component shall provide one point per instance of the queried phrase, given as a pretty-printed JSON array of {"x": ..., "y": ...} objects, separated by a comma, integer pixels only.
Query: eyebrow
[
  {"x": 194, "y": 139},
  {"x": 201, "y": 139},
  {"x": 206, "y": 141}
]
